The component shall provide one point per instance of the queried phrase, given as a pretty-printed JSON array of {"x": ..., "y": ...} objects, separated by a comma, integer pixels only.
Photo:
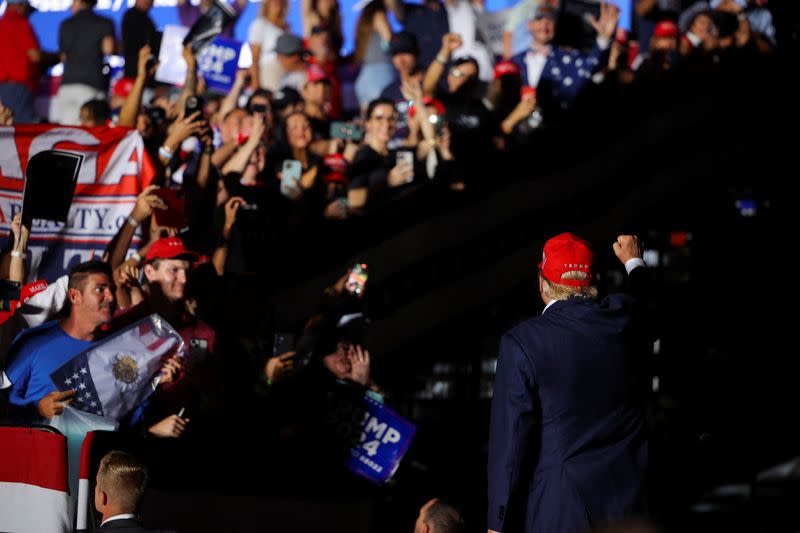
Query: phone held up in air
[
  {"x": 192, "y": 105},
  {"x": 347, "y": 131},
  {"x": 356, "y": 282},
  {"x": 291, "y": 170}
]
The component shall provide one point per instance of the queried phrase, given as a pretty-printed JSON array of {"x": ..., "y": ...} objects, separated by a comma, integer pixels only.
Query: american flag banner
[{"x": 117, "y": 374}]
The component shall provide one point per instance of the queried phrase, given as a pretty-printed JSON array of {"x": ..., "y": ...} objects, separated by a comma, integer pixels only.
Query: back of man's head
[
  {"x": 442, "y": 517},
  {"x": 123, "y": 479}
]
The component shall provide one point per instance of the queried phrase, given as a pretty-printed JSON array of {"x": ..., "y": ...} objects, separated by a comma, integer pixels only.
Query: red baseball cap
[
  {"x": 170, "y": 248},
  {"x": 666, "y": 28},
  {"x": 565, "y": 253},
  {"x": 123, "y": 87},
  {"x": 428, "y": 100},
  {"x": 505, "y": 68}
]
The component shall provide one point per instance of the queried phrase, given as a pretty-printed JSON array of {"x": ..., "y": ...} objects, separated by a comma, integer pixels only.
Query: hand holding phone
[
  {"x": 405, "y": 159},
  {"x": 193, "y": 104}
]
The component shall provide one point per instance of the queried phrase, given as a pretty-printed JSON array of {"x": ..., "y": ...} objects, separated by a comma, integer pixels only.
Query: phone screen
[{"x": 356, "y": 281}]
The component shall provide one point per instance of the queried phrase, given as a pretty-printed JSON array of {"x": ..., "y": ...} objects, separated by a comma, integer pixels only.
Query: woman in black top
[{"x": 375, "y": 169}]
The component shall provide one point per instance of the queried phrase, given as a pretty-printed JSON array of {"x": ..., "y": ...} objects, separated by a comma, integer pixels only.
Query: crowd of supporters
[{"x": 271, "y": 173}]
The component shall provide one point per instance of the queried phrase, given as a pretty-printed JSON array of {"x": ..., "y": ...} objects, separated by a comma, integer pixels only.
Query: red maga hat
[
  {"x": 666, "y": 28},
  {"x": 170, "y": 248},
  {"x": 565, "y": 253},
  {"x": 315, "y": 73},
  {"x": 427, "y": 100},
  {"x": 505, "y": 68}
]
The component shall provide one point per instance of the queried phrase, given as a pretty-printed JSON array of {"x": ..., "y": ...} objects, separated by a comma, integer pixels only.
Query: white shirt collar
[
  {"x": 118, "y": 517},
  {"x": 546, "y": 307}
]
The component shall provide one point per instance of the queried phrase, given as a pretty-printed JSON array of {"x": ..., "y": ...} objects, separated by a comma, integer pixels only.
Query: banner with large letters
[{"x": 115, "y": 170}]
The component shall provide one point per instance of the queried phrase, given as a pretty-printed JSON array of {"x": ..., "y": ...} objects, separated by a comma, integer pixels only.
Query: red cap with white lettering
[
  {"x": 565, "y": 253},
  {"x": 170, "y": 248}
]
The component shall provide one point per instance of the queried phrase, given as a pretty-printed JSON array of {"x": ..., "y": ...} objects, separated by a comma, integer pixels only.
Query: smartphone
[
  {"x": 198, "y": 351},
  {"x": 283, "y": 342},
  {"x": 174, "y": 215},
  {"x": 356, "y": 282},
  {"x": 193, "y": 104},
  {"x": 346, "y": 130},
  {"x": 406, "y": 157},
  {"x": 291, "y": 169},
  {"x": 259, "y": 108},
  {"x": 438, "y": 124},
  {"x": 155, "y": 48}
]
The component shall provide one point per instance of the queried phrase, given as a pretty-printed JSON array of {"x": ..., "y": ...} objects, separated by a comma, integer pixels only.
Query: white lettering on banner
[
  {"x": 392, "y": 436},
  {"x": 383, "y": 434},
  {"x": 372, "y": 464},
  {"x": 121, "y": 163},
  {"x": 214, "y": 57},
  {"x": 374, "y": 427},
  {"x": 9, "y": 157},
  {"x": 50, "y": 138}
]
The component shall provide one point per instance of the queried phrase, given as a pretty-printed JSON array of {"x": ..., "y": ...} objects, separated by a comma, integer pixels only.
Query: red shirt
[{"x": 16, "y": 38}]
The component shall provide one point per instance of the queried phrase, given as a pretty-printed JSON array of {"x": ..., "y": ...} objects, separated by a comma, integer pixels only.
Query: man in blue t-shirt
[{"x": 37, "y": 352}]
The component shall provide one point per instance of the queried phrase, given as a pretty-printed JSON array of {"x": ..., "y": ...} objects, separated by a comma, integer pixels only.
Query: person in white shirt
[{"x": 266, "y": 28}]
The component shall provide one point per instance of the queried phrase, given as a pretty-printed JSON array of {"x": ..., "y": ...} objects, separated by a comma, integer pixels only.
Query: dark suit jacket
[
  {"x": 567, "y": 443},
  {"x": 127, "y": 525}
]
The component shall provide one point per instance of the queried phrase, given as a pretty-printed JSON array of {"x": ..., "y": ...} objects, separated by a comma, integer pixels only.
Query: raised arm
[
  {"x": 133, "y": 103},
  {"x": 450, "y": 42},
  {"x": 17, "y": 270}
]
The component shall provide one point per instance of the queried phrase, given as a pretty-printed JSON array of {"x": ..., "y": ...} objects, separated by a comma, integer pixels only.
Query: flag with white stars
[{"x": 117, "y": 374}]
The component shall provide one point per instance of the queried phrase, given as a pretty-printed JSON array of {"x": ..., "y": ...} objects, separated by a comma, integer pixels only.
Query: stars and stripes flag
[{"x": 115, "y": 375}]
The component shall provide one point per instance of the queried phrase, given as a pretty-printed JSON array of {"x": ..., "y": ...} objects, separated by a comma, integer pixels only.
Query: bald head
[{"x": 438, "y": 516}]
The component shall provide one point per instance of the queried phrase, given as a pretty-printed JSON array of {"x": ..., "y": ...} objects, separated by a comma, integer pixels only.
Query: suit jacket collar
[{"x": 121, "y": 524}]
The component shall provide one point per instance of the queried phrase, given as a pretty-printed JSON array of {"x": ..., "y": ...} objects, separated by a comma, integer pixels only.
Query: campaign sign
[
  {"x": 385, "y": 437},
  {"x": 171, "y": 66},
  {"x": 218, "y": 63}
]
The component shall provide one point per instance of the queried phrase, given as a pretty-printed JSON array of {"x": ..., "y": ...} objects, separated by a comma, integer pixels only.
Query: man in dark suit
[
  {"x": 567, "y": 449},
  {"x": 121, "y": 480}
]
